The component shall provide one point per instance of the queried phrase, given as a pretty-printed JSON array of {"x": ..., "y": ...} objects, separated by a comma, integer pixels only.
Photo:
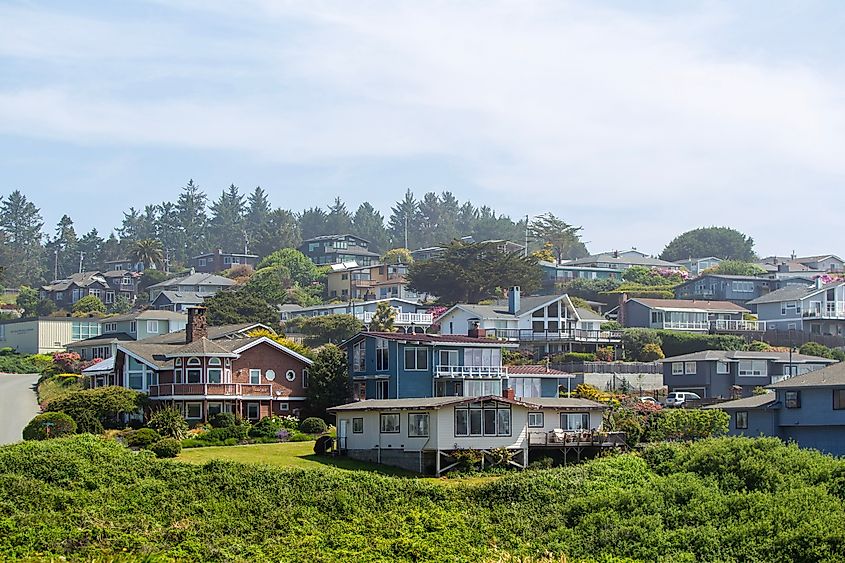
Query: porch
[{"x": 233, "y": 390}]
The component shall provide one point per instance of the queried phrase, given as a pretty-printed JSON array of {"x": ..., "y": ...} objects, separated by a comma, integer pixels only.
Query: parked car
[
  {"x": 680, "y": 398},
  {"x": 649, "y": 400}
]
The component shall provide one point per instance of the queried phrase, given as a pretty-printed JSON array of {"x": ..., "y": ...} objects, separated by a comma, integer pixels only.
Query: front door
[{"x": 341, "y": 434}]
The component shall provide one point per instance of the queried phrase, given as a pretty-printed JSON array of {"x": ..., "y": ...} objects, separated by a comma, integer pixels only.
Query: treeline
[{"x": 234, "y": 221}]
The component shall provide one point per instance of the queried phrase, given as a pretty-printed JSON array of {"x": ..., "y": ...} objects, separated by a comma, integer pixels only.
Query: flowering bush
[{"x": 67, "y": 361}]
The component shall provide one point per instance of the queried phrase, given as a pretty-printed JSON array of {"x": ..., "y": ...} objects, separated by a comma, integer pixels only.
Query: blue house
[
  {"x": 736, "y": 289},
  {"x": 808, "y": 409},
  {"x": 817, "y": 309},
  {"x": 391, "y": 365}
]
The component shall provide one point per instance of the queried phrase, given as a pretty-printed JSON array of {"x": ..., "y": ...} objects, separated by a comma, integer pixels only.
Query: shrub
[
  {"x": 169, "y": 422},
  {"x": 267, "y": 427},
  {"x": 759, "y": 346},
  {"x": 238, "y": 433},
  {"x": 611, "y": 325},
  {"x": 49, "y": 425},
  {"x": 605, "y": 354},
  {"x": 651, "y": 353},
  {"x": 634, "y": 339},
  {"x": 689, "y": 424},
  {"x": 675, "y": 343},
  {"x": 587, "y": 391},
  {"x": 323, "y": 445},
  {"x": 167, "y": 447},
  {"x": 816, "y": 349},
  {"x": 143, "y": 438},
  {"x": 313, "y": 425},
  {"x": 87, "y": 422},
  {"x": 223, "y": 420},
  {"x": 542, "y": 463},
  {"x": 299, "y": 437},
  {"x": 105, "y": 403}
]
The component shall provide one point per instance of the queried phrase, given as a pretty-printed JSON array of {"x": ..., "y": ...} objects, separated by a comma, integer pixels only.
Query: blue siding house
[
  {"x": 736, "y": 289},
  {"x": 390, "y": 365},
  {"x": 817, "y": 309}
]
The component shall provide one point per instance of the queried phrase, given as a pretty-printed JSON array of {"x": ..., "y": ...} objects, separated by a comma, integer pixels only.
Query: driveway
[{"x": 18, "y": 404}]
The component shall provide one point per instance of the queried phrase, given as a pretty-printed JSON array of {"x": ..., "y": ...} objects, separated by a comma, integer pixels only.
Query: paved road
[{"x": 18, "y": 405}]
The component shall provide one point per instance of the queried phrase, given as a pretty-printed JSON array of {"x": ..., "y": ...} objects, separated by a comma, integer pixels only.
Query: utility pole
[
  {"x": 406, "y": 230},
  {"x": 525, "y": 252},
  {"x": 81, "y": 259},
  {"x": 246, "y": 242},
  {"x": 56, "y": 265}
]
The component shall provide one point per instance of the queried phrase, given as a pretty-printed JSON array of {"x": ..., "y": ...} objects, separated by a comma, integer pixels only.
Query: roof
[
  {"x": 237, "y": 345},
  {"x": 690, "y": 304},
  {"x": 224, "y": 254},
  {"x": 439, "y": 402},
  {"x": 200, "y": 347},
  {"x": 108, "y": 338},
  {"x": 83, "y": 279},
  {"x": 197, "y": 278},
  {"x": 100, "y": 367},
  {"x": 736, "y": 355},
  {"x": 830, "y": 376},
  {"x": 149, "y": 314},
  {"x": 500, "y": 309},
  {"x": 154, "y": 355},
  {"x": 563, "y": 403},
  {"x": 335, "y": 237},
  {"x": 355, "y": 304},
  {"x": 752, "y": 402},
  {"x": 537, "y": 369},
  {"x": 589, "y": 314},
  {"x": 633, "y": 259},
  {"x": 214, "y": 333},
  {"x": 435, "y": 339},
  {"x": 793, "y": 292},
  {"x": 183, "y": 297}
]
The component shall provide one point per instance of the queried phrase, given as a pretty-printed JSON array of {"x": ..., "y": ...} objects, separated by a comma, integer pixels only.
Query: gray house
[
  {"x": 817, "y": 309},
  {"x": 736, "y": 289},
  {"x": 180, "y": 293},
  {"x": 722, "y": 373},
  {"x": 809, "y": 409},
  {"x": 682, "y": 314}
]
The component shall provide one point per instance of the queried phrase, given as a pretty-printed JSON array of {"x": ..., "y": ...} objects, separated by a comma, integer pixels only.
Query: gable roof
[
  {"x": 736, "y": 355},
  {"x": 108, "y": 338},
  {"x": 436, "y": 403},
  {"x": 537, "y": 369},
  {"x": 239, "y": 345},
  {"x": 624, "y": 258},
  {"x": 83, "y": 279},
  {"x": 214, "y": 333},
  {"x": 793, "y": 292},
  {"x": 753, "y": 402},
  {"x": 200, "y": 347},
  {"x": 148, "y": 314},
  {"x": 434, "y": 339},
  {"x": 153, "y": 355},
  {"x": 690, "y": 304},
  {"x": 830, "y": 376},
  {"x": 100, "y": 367},
  {"x": 181, "y": 297},
  {"x": 499, "y": 308},
  {"x": 197, "y": 278}
]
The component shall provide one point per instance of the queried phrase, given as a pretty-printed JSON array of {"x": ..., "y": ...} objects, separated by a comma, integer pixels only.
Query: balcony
[
  {"x": 577, "y": 438},
  {"x": 573, "y": 335},
  {"x": 738, "y": 326},
  {"x": 233, "y": 390},
  {"x": 826, "y": 311},
  {"x": 686, "y": 325},
  {"x": 462, "y": 372},
  {"x": 404, "y": 319}
]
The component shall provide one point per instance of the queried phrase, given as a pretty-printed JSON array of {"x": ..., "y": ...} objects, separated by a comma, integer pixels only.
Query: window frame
[
  {"x": 383, "y": 416},
  {"x": 358, "y": 420},
  {"x": 151, "y": 324},
  {"x": 793, "y": 402},
  {"x": 254, "y": 376},
  {"x": 688, "y": 371},
  {"x": 413, "y": 427},
  {"x": 416, "y": 351},
  {"x": 382, "y": 354},
  {"x": 677, "y": 368},
  {"x": 839, "y": 399},
  {"x": 188, "y": 406},
  {"x": 723, "y": 368},
  {"x": 741, "y": 415},
  {"x": 542, "y": 419},
  {"x": 257, "y": 406}
]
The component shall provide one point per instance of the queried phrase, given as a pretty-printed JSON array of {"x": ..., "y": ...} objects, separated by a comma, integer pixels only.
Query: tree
[
  {"x": 270, "y": 284},
  {"x": 397, "y": 256},
  {"x": 193, "y": 221},
  {"x": 90, "y": 304},
  {"x": 468, "y": 273},
  {"x": 45, "y": 307},
  {"x": 429, "y": 219},
  {"x": 121, "y": 306},
  {"x": 332, "y": 329},
  {"x": 151, "y": 277},
  {"x": 564, "y": 239},
  {"x": 62, "y": 251},
  {"x": 27, "y": 300},
  {"x": 300, "y": 268},
  {"x": 383, "y": 318},
  {"x": 226, "y": 226},
  {"x": 640, "y": 343},
  {"x": 148, "y": 251},
  {"x": 21, "y": 251},
  {"x": 328, "y": 381},
  {"x": 168, "y": 421},
  {"x": 735, "y": 268},
  {"x": 721, "y": 242},
  {"x": 403, "y": 219},
  {"x": 338, "y": 220},
  {"x": 107, "y": 404},
  {"x": 369, "y": 225},
  {"x": 312, "y": 223},
  {"x": 91, "y": 246},
  {"x": 240, "y": 306}
]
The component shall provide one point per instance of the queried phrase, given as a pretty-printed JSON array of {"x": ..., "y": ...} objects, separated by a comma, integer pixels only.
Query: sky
[{"x": 637, "y": 120}]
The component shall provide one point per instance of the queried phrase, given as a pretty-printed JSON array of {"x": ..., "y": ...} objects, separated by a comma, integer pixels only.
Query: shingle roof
[
  {"x": 214, "y": 333},
  {"x": 536, "y": 369},
  {"x": 108, "y": 338},
  {"x": 752, "y": 402},
  {"x": 792, "y": 293},
  {"x": 690, "y": 304},
  {"x": 83, "y": 279},
  {"x": 563, "y": 403},
  {"x": 736, "y": 355},
  {"x": 153, "y": 354},
  {"x": 622, "y": 259},
  {"x": 197, "y": 278},
  {"x": 149, "y": 314},
  {"x": 499, "y": 309},
  {"x": 99, "y": 367},
  {"x": 831, "y": 376},
  {"x": 589, "y": 314},
  {"x": 200, "y": 347},
  {"x": 183, "y": 297},
  {"x": 426, "y": 403},
  {"x": 436, "y": 339}
]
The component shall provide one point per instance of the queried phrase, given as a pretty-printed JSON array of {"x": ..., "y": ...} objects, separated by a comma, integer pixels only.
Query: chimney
[
  {"x": 197, "y": 325},
  {"x": 476, "y": 331},
  {"x": 620, "y": 312},
  {"x": 819, "y": 282},
  {"x": 783, "y": 267},
  {"x": 509, "y": 393},
  {"x": 513, "y": 300}
]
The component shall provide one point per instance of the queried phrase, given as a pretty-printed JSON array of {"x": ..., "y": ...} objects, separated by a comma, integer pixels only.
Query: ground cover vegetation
[{"x": 730, "y": 499}]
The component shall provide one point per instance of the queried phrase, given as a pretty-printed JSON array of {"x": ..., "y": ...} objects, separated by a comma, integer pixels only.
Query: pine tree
[
  {"x": 312, "y": 223},
  {"x": 369, "y": 224},
  {"x": 449, "y": 217},
  {"x": 257, "y": 218},
  {"x": 193, "y": 221},
  {"x": 62, "y": 254},
  {"x": 429, "y": 220},
  {"x": 169, "y": 232},
  {"x": 338, "y": 220},
  {"x": 21, "y": 224},
  {"x": 111, "y": 250},
  {"x": 226, "y": 226},
  {"x": 91, "y": 245},
  {"x": 281, "y": 231},
  {"x": 403, "y": 221}
]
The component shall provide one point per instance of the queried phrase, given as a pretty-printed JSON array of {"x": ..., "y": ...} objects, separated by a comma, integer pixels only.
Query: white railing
[
  {"x": 210, "y": 389},
  {"x": 739, "y": 326},
  {"x": 686, "y": 325},
  {"x": 470, "y": 371},
  {"x": 829, "y": 311},
  {"x": 401, "y": 318}
]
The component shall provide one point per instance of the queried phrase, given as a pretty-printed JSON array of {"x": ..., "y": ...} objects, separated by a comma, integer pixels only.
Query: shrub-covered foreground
[{"x": 729, "y": 499}]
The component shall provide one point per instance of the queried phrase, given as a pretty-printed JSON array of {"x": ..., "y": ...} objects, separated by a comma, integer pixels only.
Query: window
[
  {"x": 792, "y": 399},
  {"x": 743, "y": 286},
  {"x": 382, "y": 362},
  {"x": 110, "y": 327},
  {"x": 284, "y": 407},
  {"x": 359, "y": 390},
  {"x": 575, "y": 421},
  {"x": 741, "y": 420},
  {"x": 136, "y": 380},
  {"x": 487, "y": 418},
  {"x": 536, "y": 420},
  {"x": 101, "y": 352},
  {"x": 152, "y": 327},
  {"x": 357, "y": 425},
  {"x": 215, "y": 374},
  {"x": 448, "y": 358},
  {"x": 838, "y": 399},
  {"x": 389, "y": 423},
  {"x": 290, "y": 375},
  {"x": 214, "y": 408},
  {"x": 753, "y": 368},
  {"x": 677, "y": 368},
  {"x": 526, "y": 386},
  {"x": 483, "y": 387},
  {"x": 689, "y": 368},
  {"x": 418, "y": 425},
  {"x": 722, "y": 367},
  {"x": 359, "y": 355},
  {"x": 177, "y": 375},
  {"x": 255, "y": 376},
  {"x": 657, "y": 317},
  {"x": 127, "y": 280},
  {"x": 253, "y": 412},
  {"x": 416, "y": 358},
  {"x": 133, "y": 327},
  {"x": 382, "y": 389},
  {"x": 227, "y": 260},
  {"x": 109, "y": 297},
  {"x": 96, "y": 293},
  {"x": 305, "y": 375},
  {"x": 193, "y": 375},
  {"x": 202, "y": 262},
  {"x": 193, "y": 411}
]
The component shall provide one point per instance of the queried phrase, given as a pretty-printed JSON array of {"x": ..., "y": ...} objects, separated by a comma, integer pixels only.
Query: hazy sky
[{"x": 638, "y": 120}]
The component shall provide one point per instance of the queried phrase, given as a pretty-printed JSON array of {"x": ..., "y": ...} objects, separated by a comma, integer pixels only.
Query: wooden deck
[{"x": 576, "y": 439}]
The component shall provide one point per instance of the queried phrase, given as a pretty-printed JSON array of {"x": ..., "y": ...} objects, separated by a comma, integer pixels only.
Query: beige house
[{"x": 46, "y": 335}]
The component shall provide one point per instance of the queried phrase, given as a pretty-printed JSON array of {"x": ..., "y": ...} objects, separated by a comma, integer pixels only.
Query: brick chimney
[
  {"x": 509, "y": 393},
  {"x": 476, "y": 331},
  {"x": 514, "y": 300},
  {"x": 197, "y": 325},
  {"x": 620, "y": 313}
]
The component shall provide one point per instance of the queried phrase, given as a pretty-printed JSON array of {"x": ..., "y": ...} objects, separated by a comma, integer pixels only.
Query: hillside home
[
  {"x": 46, "y": 335},
  {"x": 736, "y": 289},
  {"x": 409, "y": 316},
  {"x": 679, "y": 314},
  {"x": 250, "y": 376},
  {"x": 808, "y": 409},
  {"x": 351, "y": 281},
  {"x": 421, "y": 434},
  {"x": 127, "y": 328},
  {"x": 548, "y": 323},
  {"x": 822, "y": 263},
  {"x": 502, "y": 245},
  {"x": 107, "y": 286},
  {"x": 558, "y": 273},
  {"x": 816, "y": 309},
  {"x": 219, "y": 261},
  {"x": 336, "y": 249},
  {"x": 725, "y": 374},
  {"x": 696, "y": 266},
  {"x": 124, "y": 264},
  {"x": 182, "y": 292},
  {"x": 617, "y": 260}
]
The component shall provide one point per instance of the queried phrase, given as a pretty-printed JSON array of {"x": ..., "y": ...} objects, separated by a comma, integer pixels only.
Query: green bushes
[
  {"x": 106, "y": 404},
  {"x": 816, "y": 349},
  {"x": 167, "y": 447},
  {"x": 223, "y": 420},
  {"x": 142, "y": 438},
  {"x": 49, "y": 425},
  {"x": 169, "y": 422},
  {"x": 727, "y": 500},
  {"x": 11, "y": 362},
  {"x": 674, "y": 343},
  {"x": 689, "y": 424},
  {"x": 313, "y": 425}
]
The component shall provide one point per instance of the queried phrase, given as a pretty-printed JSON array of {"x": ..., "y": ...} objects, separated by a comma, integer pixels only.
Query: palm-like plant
[{"x": 148, "y": 251}]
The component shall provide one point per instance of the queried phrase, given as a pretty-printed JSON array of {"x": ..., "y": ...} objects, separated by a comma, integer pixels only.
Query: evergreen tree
[
  {"x": 449, "y": 217},
  {"x": 369, "y": 224},
  {"x": 62, "y": 253},
  {"x": 329, "y": 384},
  {"x": 27, "y": 301},
  {"x": 467, "y": 218},
  {"x": 312, "y": 223},
  {"x": 338, "y": 220},
  {"x": 132, "y": 227},
  {"x": 403, "y": 221},
  {"x": 281, "y": 231},
  {"x": 193, "y": 221},
  {"x": 257, "y": 218},
  {"x": 429, "y": 220},
  {"x": 21, "y": 252},
  {"x": 226, "y": 226},
  {"x": 383, "y": 318},
  {"x": 168, "y": 229},
  {"x": 111, "y": 249},
  {"x": 564, "y": 239},
  {"x": 91, "y": 245}
]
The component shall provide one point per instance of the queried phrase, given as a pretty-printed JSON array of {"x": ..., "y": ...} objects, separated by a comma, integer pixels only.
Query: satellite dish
[{"x": 270, "y": 375}]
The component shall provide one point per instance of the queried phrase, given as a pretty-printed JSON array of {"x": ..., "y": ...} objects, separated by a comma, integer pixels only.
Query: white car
[
  {"x": 679, "y": 398},
  {"x": 649, "y": 400}
]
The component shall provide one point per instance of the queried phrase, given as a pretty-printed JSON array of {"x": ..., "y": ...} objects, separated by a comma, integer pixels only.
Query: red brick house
[{"x": 250, "y": 376}]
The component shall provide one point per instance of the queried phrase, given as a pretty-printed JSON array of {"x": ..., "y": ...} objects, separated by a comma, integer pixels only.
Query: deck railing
[
  {"x": 470, "y": 371},
  {"x": 423, "y": 319},
  {"x": 573, "y": 335},
  {"x": 210, "y": 389},
  {"x": 620, "y": 368},
  {"x": 565, "y": 438},
  {"x": 737, "y": 326}
]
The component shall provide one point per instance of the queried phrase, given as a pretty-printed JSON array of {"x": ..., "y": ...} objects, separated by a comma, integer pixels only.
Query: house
[
  {"x": 127, "y": 328},
  {"x": 558, "y": 273},
  {"x": 336, "y": 249},
  {"x": 202, "y": 376},
  {"x": 394, "y": 365},
  {"x": 219, "y": 261},
  {"x": 124, "y": 264},
  {"x": 815, "y": 309},
  {"x": 617, "y": 260},
  {"x": 536, "y": 381},
  {"x": 46, "y": 335},
  {"x": 722, "y": 287},
  {"x": 107, "y": 286},
  {"x": 549, "y": 323},
  {"x": 182, "y": 292},
  {"x": 348, "y": 280},
  {"x": 422, "y": 434},
  {"x": 822, "y": 263},
  {"x": 721, "y": 373},
  {"x": 808, "y": 409},
  {"x": 680, "y": 314},
  {"x": 696, "y": 266},
  {"x": 409, "y": 316},
  {"x": 502, "y": 245}
]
